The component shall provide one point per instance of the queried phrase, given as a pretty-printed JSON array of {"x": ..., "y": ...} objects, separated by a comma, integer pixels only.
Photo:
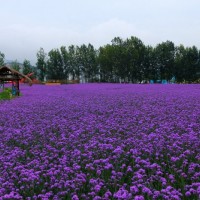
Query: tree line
[{"x": 127, "y": 60}]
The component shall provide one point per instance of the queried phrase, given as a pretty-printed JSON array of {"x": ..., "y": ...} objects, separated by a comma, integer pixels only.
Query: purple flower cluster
[{"x": 101, "y": 141}]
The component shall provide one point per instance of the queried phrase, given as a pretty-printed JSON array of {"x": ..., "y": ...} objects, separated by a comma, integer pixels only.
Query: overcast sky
[{"x": 27, "y": 25}]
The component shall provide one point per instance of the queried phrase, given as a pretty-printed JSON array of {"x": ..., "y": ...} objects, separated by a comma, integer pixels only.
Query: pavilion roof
[{"x": 8, "y": 74}]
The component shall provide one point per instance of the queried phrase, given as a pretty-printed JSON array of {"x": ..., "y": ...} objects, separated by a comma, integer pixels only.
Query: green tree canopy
[
  {"x": 15, "y": 65},
  {"x": 27, "y": 67},
  {"x": 55, "y": 70},
  {"x": 41, "y": 64},
  {"x": 128, "y": 60},
  {"x": 2, "y": 57}
]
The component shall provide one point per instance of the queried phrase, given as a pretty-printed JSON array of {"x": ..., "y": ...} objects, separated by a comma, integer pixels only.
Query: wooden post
[
  {"x": 13, "y": 88},
  {"x": 17, "y": 87}
]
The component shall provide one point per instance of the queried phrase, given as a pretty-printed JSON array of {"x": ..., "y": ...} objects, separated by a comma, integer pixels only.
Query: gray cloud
[{"x": 29, "y": 25}]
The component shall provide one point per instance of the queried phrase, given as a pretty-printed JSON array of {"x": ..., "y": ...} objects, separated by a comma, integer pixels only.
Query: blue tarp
[
  {"x": 14, "y": 91},
  {"x": 164, "y": 81},
  {"x": 151, "y": 81}
]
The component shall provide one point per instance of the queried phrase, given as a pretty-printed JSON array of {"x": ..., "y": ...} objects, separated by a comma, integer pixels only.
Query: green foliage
[
  {"x": 2, "y": 56},
  {"x": 72, "y": 62},
  {"x": 127, "y": 60},
  {"x": 8, "y": 89},
  {"x": 15, "y": 65},
  {"x": 123, "y": 61},
  {"x": 6, "y": 94},
  {"x": 135, "y": 50},
  {"x": 87, "y": 62},
  {"x": 107, "y": 61},
  {"x": 55, "y": 69},
  {"x": 27, "y": 68},
  {"x": 41, "y": 64},
  {"x": 165, "y": 54}
]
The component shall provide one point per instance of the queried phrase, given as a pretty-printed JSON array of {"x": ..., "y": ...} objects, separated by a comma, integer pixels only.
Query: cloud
[
  {"x": 103, "y": 33},
  {"x": 22, "y": 41}
]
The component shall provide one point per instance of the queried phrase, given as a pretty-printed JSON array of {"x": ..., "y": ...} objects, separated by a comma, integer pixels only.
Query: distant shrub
[
  {"x": 8, "y": 90},
  {"x": 7, "y": 94}
]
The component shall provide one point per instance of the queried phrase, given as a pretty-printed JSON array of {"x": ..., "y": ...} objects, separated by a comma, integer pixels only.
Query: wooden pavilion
[{"x": 10, "y": 75}]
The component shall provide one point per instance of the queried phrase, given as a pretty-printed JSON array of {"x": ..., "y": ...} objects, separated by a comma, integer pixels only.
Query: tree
[
  {"x": 87, "y": 62},
  {"x": 180, "y": 64},
  {"x": 65, "y": 61},
  {"x": 135, "y": 50},
  {"x": 187, "y": 64},
  {"x": 106, "y": 60},
  {"x": 119, "y": 59},
  {"x": 27, "y": 68},
  {"x": 2, "y": 56},
  {"x": 165, "y": 54},
  {"x": 15, "y": 65},
  {"x": 198, "y": 67},
  {"x": 149, "y": 63},
  {"x": 55, "y": 69},
  {"x": 73, "y": 65},
  {"x": 41, "y": 63},
  {"x": 122, "y": 61},
  {"x": 191, "y": 69}
]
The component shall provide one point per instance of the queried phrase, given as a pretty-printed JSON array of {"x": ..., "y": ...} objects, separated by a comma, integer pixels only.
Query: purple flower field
[{"x": 101, "y": 141}]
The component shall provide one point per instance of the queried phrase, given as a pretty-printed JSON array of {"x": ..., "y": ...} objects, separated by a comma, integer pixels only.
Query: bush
[
  {"x": 6, "y": 94},
  {"x": 8, "y": 90}
]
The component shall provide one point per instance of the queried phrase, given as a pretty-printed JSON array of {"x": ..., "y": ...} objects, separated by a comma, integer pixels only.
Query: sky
[{"x": 28, "y": 25}]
